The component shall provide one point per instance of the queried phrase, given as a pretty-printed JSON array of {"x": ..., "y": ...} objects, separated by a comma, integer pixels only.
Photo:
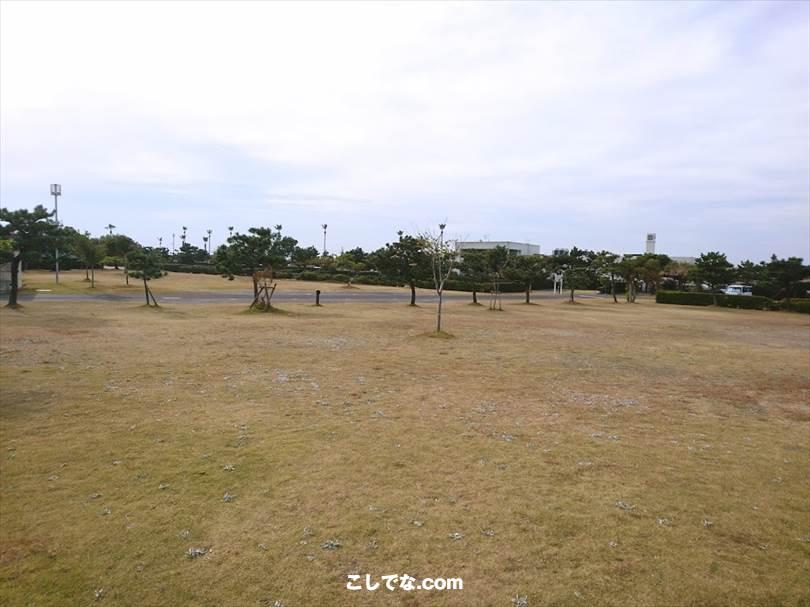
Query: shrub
[
  {"x": 800, "y": 305},
  {"x": 454, "y": 284},
  {"x": 372, "y": 280},
  {"x": 746, "y": 302},
  {"x": 685, "y": 298},
  {"x": 191, "y": 268}
]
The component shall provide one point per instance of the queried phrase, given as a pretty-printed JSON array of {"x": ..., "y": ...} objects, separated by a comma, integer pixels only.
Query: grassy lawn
[{"x": 591, "y": 454}]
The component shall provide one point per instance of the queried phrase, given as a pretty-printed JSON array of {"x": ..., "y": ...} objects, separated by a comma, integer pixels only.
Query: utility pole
[
  {"x": 209, "y": 240},
  {"x": 56, "y": 192},
  {"x": 324, "y": 240}
]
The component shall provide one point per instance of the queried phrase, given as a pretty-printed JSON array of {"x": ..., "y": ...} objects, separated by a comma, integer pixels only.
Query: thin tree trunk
[
  {"x": 146, "y": 290},
  {"x": 572, "y": 296},
  {"x": 93, "y": 277},
  {"x": 613, "y": 289},
  {"x": 475, "y": 295},
  {"x": 413, "y": 293},
  {"x": 15, "y": 277},
  {"x": 528, "y": 295},
  {"x": 439, "y": 316},
  {"x": 86, "y": 273}
]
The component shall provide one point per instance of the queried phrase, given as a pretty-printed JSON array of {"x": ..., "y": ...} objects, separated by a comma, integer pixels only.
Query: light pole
[
  {"x": 442, "y": 226},
  {"x": 209, "y": 240},
  {"x": 324, "y": 239},
  {"x": 56, "y": 192}
]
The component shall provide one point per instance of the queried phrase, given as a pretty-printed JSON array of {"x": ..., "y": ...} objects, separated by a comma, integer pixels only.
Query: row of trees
[
  {"x": 410, "y": 260},
  {"x": 33, "y": 236}
]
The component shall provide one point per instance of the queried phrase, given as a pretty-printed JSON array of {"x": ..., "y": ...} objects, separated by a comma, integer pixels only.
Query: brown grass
[
  {"x": 345, "y": 421},
  {"x": 113, "y": 281}
]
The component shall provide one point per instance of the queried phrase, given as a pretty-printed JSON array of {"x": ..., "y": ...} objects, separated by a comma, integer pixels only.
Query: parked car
[{"x": 738, "y": 290}]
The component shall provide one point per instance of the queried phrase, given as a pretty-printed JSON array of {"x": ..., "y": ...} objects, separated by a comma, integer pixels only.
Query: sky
[{"x": 559, "y": 124}]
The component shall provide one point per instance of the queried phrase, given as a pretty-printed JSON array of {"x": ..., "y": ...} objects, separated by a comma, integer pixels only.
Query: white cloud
[{"x": 420, "y": 109}]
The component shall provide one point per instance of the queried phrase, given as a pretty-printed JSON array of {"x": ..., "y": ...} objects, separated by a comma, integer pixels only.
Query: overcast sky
[{"x": 551, "y": 123}]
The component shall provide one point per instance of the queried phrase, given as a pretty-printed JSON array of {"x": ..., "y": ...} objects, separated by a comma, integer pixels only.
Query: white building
[
  {"x": 650, "y": 243},
  {"x": 516, "y": 248},
  {"x": 650, "y": 248}
]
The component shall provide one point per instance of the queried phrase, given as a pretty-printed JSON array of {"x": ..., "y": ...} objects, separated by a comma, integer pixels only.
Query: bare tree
[{"x": 442, "y": 255}]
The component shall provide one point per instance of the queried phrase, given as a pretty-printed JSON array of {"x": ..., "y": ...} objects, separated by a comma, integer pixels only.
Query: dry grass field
[
  {"x": 113, "y": 282},
  {"x": 591, "y": 454}
]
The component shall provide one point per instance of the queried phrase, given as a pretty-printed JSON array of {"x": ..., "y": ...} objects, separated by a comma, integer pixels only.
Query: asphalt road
[{"x": 297, "y": 296}]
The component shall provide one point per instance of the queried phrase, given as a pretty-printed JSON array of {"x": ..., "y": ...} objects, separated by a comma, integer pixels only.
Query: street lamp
[
  {"x": 56, "y": 192},
  {"x": 324, "y": 239}
]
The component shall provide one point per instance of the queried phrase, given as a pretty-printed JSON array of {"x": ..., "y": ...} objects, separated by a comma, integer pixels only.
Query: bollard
[{"x": 317, "y": 297}]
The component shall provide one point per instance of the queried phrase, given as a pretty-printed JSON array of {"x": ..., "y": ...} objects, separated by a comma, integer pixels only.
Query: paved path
[{"x": 294, "y": 296}]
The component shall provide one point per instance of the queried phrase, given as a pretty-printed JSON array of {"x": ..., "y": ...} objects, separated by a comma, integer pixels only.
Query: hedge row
[
  {"x": 746, "y": 302},
  {"x": 801, "y": 305},
  {"x": 689, "y": 298},
  {"x": 197, "y": 268},
  {"x": 378, "y": 280},
  {"x": 460, "y": 285},
  {"x": 684, "y": 298}
]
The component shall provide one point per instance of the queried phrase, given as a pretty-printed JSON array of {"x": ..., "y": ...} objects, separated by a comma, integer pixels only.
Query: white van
[{"x": 738, "y": 290}]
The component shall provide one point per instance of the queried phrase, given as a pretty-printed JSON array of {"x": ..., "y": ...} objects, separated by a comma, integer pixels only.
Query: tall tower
[{"x": 650, "y": 243}]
